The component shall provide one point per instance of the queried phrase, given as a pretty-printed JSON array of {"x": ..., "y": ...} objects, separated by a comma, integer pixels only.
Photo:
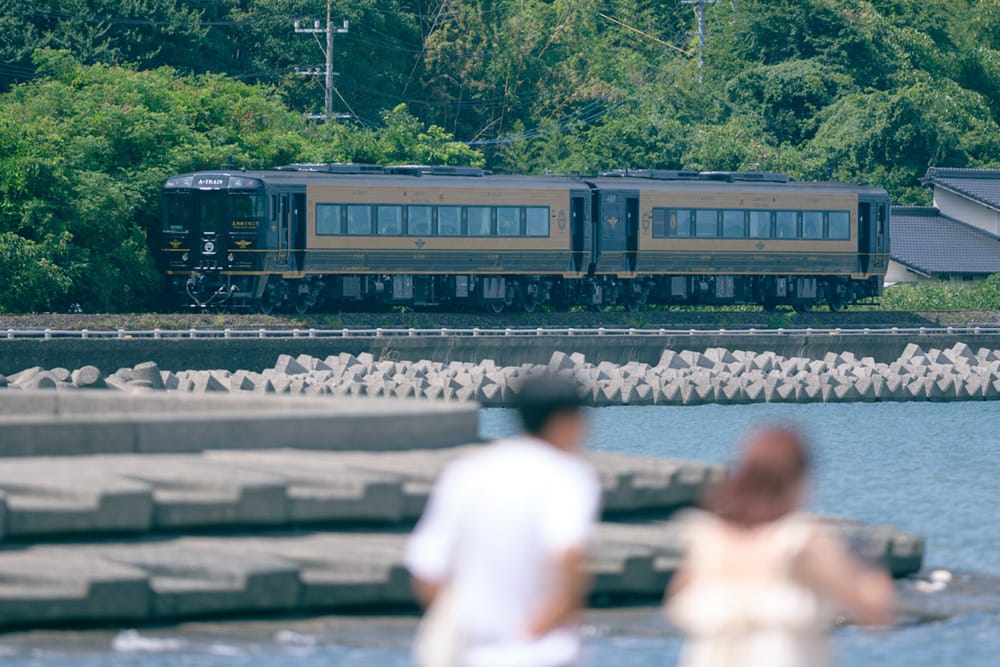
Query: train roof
[
  {"x": 473, "y": 177},
  {"x": 712, "y": 180}
]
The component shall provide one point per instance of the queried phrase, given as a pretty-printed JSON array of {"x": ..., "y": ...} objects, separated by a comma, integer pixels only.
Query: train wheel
[
  {"x": 802, "y": 307},
  {"x": 497, "y": 307},
  {"x": 769, "y": 306},
  {"x": 836, "y": 305},
  {"x": 529, "y": 306},
  {"x": 264, "y": 306},
  {"x": 302, "y": 304}
]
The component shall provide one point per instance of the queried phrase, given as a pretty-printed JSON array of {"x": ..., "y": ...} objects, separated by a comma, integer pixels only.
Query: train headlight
[
  {"x": 184, "y": 257},
  {"x": 230, "y": 257}
]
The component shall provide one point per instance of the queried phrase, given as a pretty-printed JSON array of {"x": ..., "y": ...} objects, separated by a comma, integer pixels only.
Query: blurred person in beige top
[{"x": 762, "y": 584}]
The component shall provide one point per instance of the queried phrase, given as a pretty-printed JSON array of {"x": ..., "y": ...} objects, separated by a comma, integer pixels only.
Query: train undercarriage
[{"x": 526, "y": 293}]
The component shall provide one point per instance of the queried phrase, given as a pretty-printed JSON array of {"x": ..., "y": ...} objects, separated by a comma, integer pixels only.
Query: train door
[
  {"x": 613, "y": 233},
  {"x": 631, "y": 231},
  {"x": 284, "y": 228},
  {"x": 864, "y": 235},
  {"x": 298, "y": 231},
  {"x": 881, "y": 233},
  {"x": 580, "y": 239}
]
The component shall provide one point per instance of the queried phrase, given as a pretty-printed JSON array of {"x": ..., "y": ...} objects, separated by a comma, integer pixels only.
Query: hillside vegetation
[{"x": 100, "y": 100}]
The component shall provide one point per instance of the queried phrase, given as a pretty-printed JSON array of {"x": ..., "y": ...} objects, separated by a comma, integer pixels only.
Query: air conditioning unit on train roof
[
  {"x": 435, "y": 170},
  {"x": 333, "y": 168},
  {"x": 653, "y": 174},
  {"x": 744, "y": 176}
]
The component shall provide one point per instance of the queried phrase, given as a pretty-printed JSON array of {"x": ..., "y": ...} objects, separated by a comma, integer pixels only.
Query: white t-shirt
[{"x": 495, "y": 527}]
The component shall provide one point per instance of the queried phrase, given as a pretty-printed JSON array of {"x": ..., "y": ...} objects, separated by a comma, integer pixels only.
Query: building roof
[
  {"x": 981, "y": 185},
  {"x": 934, "y": 244}
]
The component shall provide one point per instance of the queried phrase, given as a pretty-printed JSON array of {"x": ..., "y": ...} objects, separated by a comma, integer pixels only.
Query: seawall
[
  {"x": 717, "y": 375},
  {"x": 255, "y": 353}
]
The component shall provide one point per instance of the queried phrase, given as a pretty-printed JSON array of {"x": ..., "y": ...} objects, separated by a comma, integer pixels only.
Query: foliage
[
  {"x": 942, "y": 296},
  {"x": 871, "y": 91},
  {"x": 84, "y": 152}
]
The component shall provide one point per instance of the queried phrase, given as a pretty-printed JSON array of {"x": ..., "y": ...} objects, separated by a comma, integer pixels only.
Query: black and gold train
[{"x": 303, "y": 236}]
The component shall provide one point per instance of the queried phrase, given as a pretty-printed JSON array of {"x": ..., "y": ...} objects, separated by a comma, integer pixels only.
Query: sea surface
[{"x": 931, "y": 468}]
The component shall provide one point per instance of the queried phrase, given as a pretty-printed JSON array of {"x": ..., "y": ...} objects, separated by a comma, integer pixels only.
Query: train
[{"x": 335, "y": 236}]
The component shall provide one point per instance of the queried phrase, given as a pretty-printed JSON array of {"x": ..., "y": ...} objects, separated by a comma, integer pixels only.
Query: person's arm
[
  {"x": 568, "y": 597},
  {"x": 866, "y": 594}
]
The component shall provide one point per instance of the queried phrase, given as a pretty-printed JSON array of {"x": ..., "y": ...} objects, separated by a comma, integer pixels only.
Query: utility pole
[{"x": 326, "y": 72}]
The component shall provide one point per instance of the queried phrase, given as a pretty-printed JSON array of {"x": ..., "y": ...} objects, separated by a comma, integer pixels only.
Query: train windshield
[
  {"x": 179, "y": 212},
  {"x": 194, "y": 211}
]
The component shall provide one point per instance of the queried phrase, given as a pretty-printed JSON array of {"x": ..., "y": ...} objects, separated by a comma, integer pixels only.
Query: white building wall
[
  {"x": 966, "y": 210},
  {"x": 898, "y": 273}
]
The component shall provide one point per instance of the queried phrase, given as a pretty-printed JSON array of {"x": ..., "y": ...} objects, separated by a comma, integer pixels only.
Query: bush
[{"x": 934, "y": 296}]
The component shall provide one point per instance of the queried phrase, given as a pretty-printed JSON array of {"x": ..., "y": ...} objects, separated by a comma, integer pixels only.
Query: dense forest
[{"x": 100, "y": 100}]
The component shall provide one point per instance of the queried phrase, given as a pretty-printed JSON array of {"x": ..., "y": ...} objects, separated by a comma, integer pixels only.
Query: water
[{"x": 931, "y": 468}]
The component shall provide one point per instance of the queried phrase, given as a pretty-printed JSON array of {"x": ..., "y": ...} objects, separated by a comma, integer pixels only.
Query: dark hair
[
  {"x": 543, "y": 396},
  {"x": 763, "y": 485}
]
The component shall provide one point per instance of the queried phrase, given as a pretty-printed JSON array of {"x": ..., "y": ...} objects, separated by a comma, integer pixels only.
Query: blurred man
[{"x": 504, "y": 539}]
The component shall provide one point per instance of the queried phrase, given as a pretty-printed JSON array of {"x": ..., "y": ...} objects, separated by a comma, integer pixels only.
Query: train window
[
  {"x": 328, "y": 220},
  {"x": 786, "y": 225},
  {"x": 680, "y": 222},
  {"x": 659, "y": 223},
  {"x": 449, "y": 221},
  {"x": 839, "y": 225},
  {"x": 760, "y": 224},
  {"x": 274, "y": 207},
  {"x": 508, "y": 221},
  {"x": 179, "y": 215},
  {"x": 418, "y": 221},
  {"x": 812, "y": 224},
  {"x": 242, "y": 207},
  {"x": 212, "y": 209},
  {"x": 536, "y": 221},
  {"x": 733, "y": 224},
  {"x": 359, "y": 220},
  {"x": 390, "y": 220},
  {"x": 479, "y": 220},
  {"x": 706, "y": 222}
]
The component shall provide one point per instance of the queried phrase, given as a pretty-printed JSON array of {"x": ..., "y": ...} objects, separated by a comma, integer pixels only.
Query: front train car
[{"x": 213, "y": 230}]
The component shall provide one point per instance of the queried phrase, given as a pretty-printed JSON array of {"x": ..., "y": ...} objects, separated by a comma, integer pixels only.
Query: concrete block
[
  {"x": 148, "y": 372},
  {"x": 40, "y": 380},
  {"x": 366, "y": 358},
  {"x": 60, "y": 374},
  {"x": 670, "y": 359},
  {"x": 287, "y": 365},
  {"x": 912, "y": 350},
  {"x": 720, "y": 355},
  {"x": 26, "y": 374},
  {"x": 206, "y": 381}
]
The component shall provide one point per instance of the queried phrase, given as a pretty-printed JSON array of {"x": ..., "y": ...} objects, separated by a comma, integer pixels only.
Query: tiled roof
[
  {"x": 931, "y": 243},
  {"x": 981, "y": 185}
]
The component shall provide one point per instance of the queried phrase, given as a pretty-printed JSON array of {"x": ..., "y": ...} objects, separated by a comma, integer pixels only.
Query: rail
[{"x": 520, "y": 332}]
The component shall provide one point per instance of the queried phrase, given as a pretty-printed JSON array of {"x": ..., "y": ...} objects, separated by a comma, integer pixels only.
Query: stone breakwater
[
  {"x": 209, "y": 506},
  {"x": 688, "y": 377}
]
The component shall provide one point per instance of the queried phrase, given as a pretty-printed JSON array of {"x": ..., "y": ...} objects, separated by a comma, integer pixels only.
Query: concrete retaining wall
[{"x": 257, "y": 353}]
